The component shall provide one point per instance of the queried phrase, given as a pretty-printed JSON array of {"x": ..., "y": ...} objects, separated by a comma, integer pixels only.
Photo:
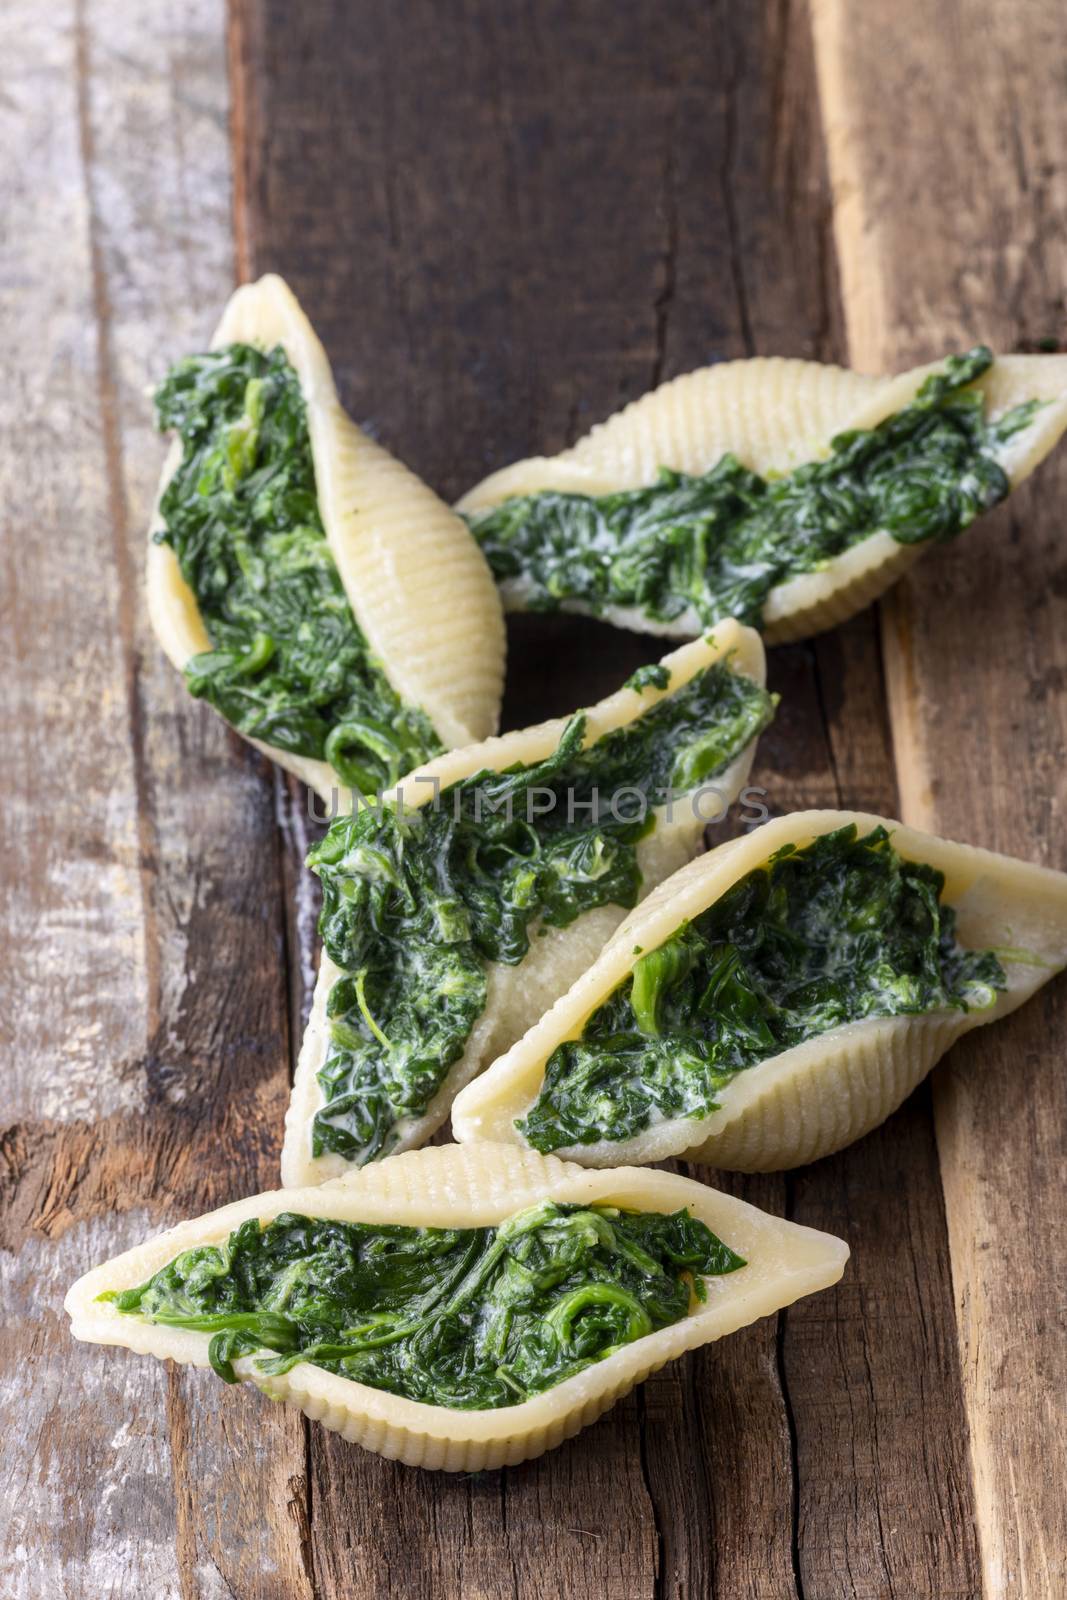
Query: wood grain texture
[
  {"x": 945, "y": 238},
  {"x": 145, "y": 1077},
  {"x": 507, "y": 221}
]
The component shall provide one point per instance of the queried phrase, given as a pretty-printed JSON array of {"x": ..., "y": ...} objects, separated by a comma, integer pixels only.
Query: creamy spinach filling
[
  {"x": 715, "y": 545},
  {"x": 838, "y": 931},
  {"x": 417, "y": 902},
  {"x": 289, "y": 664},
  {"x": 469, "y": 1318}
]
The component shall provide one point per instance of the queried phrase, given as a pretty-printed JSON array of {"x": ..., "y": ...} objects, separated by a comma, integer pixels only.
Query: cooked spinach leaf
[
  {"x": 838, "y": 931},
  {"x": 717, "y": 544},
  {"x": 653, "y": 675},
  {"x": 416, "y": 902},
  {"x": 289, "y": 664},
  {"x": 470, "y": 1318}
]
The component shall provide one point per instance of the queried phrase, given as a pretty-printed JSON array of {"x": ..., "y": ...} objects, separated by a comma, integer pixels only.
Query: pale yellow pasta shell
[
  {"x": 456, "y": 1187},
  {"x": 774, "y": 415},
  {"x": 820, "y": 1096},
  {"x": 518, "y": 995},
  {"x": 417, "y": 583}
]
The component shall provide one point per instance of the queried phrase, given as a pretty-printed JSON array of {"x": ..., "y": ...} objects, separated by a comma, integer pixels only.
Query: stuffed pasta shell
[
  {"x": 457, "y": 909},
  {"x": 785, "y": 493},
  {"x": 312, "y": 589},
  {"x": 777, "y": 999},
  {"x": 455, "y": 1308}
]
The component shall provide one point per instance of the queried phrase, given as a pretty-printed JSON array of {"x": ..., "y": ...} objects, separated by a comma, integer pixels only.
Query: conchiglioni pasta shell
[
  {"x": 774, "y": 415},
  {"x": 820, "y": 1096},
  {"x": 418, "y": 585},
  {"x": 518, "y": 995},
  {"x": 455, "y": 1187}
]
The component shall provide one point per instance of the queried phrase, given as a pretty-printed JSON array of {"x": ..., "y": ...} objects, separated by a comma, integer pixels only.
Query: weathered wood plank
[
  {"x": 946, "y": 151},
  {"x": 875, "y": 1383},
  {"x": 506, "y": 227},
  {"x": 500, "y": 297},
  {"x": 148, "y": 1072}
]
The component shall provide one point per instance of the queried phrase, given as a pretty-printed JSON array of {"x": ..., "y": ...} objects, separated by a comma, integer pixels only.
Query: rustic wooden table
[{"x": 507, "y": 219}]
